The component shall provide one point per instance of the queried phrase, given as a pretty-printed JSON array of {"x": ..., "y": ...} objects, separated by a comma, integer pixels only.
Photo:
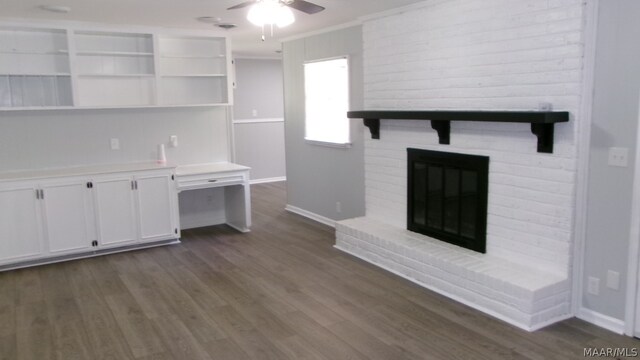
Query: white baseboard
[
  {"x": 268, "y": 180},
  {"x": 313, "y": 216},
  {"x": 604, "y": 321}
]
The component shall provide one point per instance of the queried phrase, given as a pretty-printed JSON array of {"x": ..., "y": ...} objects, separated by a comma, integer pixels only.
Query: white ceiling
[{"x": 182, "y": 14}]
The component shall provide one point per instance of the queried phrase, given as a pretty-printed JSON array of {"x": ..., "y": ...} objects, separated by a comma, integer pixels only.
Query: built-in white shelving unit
[
  {"x": 193, "y": 70},
  {"x": 34, "y": 68},
  {"x": 114, "y": 69},
  {"x": 43, "y": 68}
]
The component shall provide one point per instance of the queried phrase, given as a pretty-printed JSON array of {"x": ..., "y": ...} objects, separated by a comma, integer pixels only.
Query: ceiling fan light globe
[
  {"x": 270, "y": 12},
  {"x": 284, "y": 17},
  {"x": 256, "y": 15}
]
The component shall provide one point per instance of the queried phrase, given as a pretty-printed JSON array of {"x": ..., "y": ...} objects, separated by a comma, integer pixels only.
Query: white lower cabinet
[
  {"x": 115, "y": 210},
  {"x": 157, "y": 199},
  {"x": 67, "y": 216},
  {"x": 53, "y": 218},
  {"x": 20, "y": 223}
]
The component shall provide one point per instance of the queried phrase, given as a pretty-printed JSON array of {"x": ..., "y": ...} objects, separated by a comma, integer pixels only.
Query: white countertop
[
  {"x": 209, "y": 168},
  {"x": 81, "y": 171}
]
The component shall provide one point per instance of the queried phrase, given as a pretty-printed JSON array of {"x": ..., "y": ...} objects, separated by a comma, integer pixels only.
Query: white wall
[
  {"x": 319, "y": 176},
  {"x": 615, "y": 120},
  {"x": 481, "y": 54},
  {"x": 259, "y": 118}
]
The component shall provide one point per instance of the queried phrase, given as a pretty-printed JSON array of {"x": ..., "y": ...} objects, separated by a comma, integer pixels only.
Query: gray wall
[
  {"x": 261, "y": 147},
  {"x": 64, "y": 138},
  {"x": 615, "y": 117},
  {"x": 258, "y": 87},
  {"x": 318, "y": 176},
  {"x": 259, "y": 139}
]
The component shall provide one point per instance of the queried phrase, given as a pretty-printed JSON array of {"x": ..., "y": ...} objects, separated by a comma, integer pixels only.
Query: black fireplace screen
[{"x": 447, "y": 197}]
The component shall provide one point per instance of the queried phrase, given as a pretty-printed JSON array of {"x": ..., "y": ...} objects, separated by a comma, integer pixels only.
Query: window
[{"x": 327, "y": 101}]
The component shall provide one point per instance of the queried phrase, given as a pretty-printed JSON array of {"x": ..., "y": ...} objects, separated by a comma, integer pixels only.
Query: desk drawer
[{"x": 208, "y": 181}]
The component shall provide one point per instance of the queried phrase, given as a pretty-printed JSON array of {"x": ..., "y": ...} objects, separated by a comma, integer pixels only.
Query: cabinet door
[
  {"x": 115, "y": 211},
  {"x": 20, "y": 223},
  {"x": 156, "y": 194},
  {"x": 66, "y": 216}
]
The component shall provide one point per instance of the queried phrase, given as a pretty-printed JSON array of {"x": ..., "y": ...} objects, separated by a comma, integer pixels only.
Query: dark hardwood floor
[{"x": 279, "y": 292}]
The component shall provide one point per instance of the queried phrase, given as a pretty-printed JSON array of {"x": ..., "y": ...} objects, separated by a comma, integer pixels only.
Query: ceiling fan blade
[
  {"x": 305, "y": 6},
  {"x": 240, "y": 6}
]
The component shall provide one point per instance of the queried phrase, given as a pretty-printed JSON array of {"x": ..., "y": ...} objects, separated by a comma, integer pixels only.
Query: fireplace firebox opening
[{"x": 447, "y": 197}]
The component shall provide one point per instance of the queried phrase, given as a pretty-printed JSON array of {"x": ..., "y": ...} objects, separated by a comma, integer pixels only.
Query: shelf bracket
[
  {"x": 544, "y": 133},
  {"x": 443, "y": 127},
  {"x": 374, "y": 127}
]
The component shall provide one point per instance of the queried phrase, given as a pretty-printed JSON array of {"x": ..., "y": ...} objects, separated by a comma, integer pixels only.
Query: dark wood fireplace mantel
[{"x": 542, "y": 122}]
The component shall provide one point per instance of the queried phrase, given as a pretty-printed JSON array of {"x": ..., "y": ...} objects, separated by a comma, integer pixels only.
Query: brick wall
[{"x": 482, "y": 54}]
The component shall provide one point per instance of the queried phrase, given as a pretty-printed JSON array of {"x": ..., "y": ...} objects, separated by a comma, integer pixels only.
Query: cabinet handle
[
  {"x": 136, "y": 182},
  {"x": 41, "y": 194},
  {"x": 133, "y": 185},
  {"x": 38, "y": 194},
  {"x": 213, "y": 180}
]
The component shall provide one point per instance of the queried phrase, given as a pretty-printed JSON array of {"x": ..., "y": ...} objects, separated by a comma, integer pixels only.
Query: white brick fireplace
[{"x": 477, "y": 55}]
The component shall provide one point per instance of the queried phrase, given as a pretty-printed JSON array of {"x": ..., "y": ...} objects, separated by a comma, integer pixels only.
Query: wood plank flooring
[{"x": 279, "y": 292}]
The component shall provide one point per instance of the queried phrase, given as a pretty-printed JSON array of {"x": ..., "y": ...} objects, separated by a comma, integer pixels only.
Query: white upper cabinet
[
  {"x": 193, "y": 70},
  {"x": 114, "y": 69},
  {"x": 34, "y": 68},
  {"x": 44, "y": 68}
]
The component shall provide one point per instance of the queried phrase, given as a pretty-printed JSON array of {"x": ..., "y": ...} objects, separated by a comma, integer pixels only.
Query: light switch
[
  {"x": 619, "y": 156},
  {"x": 254, "y": 112},
  {"x": 115, "y": 144},
  {"x": 173, "y": 140}
]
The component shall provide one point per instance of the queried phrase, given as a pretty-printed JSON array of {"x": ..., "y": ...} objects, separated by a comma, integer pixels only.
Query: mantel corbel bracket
[
  {"x": 374, "y": 127},
  {"x": 544, "y": 133},
  {"x": 443, "y": 127}
]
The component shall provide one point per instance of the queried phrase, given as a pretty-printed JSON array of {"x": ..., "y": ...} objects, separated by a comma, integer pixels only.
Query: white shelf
[
  {"x": 116, "y": 75},
  {"x": 35, "y": 74},
  {"x": 21, "y": 52},
  {"x": 178, "y": 56},
  {"x": 48, "y": 69},
  {"x": 194, "y": 75},
  {"x": 112, "y": 53}
]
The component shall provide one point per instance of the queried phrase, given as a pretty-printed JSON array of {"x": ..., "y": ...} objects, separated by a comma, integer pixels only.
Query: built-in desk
[{"x": 233, "y": 178}]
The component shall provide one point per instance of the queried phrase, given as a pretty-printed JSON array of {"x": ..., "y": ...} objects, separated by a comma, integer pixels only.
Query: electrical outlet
[
  {"x": 618, "y": 156},
  {"x": 338, "y": 207},
  {"x": 115, "y": 144},
  {"x": 254, "y": 113},
  {"x": 613, "y": 280},
  {"x": 593, "y": 286}
]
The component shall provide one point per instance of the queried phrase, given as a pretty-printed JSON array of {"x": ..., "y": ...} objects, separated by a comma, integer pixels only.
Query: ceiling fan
[
  {"x": 275, "y": 12},
  {"x": 301, "y": 5}
]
